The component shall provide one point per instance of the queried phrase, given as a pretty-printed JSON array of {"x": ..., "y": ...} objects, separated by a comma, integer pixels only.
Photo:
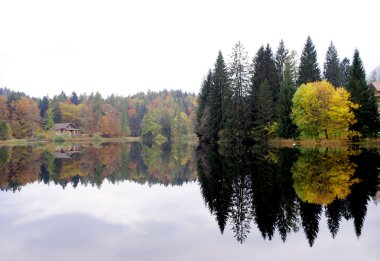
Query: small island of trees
[{"x": 245, "y": 102}]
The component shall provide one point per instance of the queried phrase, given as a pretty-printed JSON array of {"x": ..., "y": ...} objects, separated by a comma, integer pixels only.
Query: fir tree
[
  {"x": 345, "y": 71},
  {"x": 74, "y": 98},
  {"x": 367, "y": 116},
  {"x": 237, "y": 118},
  {"x": 281, "y": 54},
  {"x": 286, "y": 127},
  {"x": 217, "y": 97},
  {"x": 265, "y": 110},
  {"x": 5, "y": 130},
  {"x": 308, "y": 69},
  {"x": 331, "y": 67},
  {"x": 264, "y": 69},
  {"x": 202, "y": 103}
]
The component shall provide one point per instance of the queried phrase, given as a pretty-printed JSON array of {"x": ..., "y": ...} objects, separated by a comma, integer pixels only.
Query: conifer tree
[
  {"x": 237, "y": 118},
  {"x": 217, "y": 97},
  {"x": 265, "y": 110},
  {"x": 331, "y": 67},
  {"x": 264, "y": 69},
  {"x": 367, "y": 116},
  {"x": 344, "y": 70},
  {"x": 281, "y": 54},
  {"x": 200, "y": 128},
  {"x": 308, "y": 69},
  {"x": 286, "y": 127}
]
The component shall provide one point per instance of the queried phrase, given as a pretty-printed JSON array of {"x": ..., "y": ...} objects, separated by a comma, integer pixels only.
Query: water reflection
[
  {"x": 91, "y": 165},
  {"x": 287, "y": 189}
]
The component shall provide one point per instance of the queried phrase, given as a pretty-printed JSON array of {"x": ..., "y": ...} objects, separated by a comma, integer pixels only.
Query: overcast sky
[{"x": 124, "y": 47}]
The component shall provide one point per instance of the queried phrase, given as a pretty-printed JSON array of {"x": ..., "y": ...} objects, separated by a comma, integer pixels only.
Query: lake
[{"x": 179, "y": 202}]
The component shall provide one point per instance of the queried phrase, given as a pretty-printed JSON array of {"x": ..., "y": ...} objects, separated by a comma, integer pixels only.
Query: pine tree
[
  {"x": 308, "y": 69},
  {"x": 345, "y": 71},
  {"x": 286, "y": 127},
  {"x": 237, "y": 118},
  {"x": 331, "y": 67},
  {"x": 264, "y": 69},
  {"x": 265, "y": 110},
  {"x": 281, "y": 54},
  {"x": 216, "y": 97},
  {"x": 368, "y": 123},
  {"x": 202, "y": 103}
]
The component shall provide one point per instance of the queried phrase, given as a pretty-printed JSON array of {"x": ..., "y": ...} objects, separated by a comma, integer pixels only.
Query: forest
[
  {"x": 281, "y": 95},
  {"x": 164, "y": 114}
]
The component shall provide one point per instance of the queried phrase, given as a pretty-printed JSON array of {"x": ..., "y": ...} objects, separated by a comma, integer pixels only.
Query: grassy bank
[{"x": 335, "y": 143}]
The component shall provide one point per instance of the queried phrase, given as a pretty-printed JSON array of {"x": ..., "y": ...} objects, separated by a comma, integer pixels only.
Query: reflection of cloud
[{"x": 127, "y": 204}]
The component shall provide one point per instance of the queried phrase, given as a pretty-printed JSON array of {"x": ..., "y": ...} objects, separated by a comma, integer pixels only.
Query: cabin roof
[
  {"x": 65, "y": 126},
  {"x": 376, "y": 85}
]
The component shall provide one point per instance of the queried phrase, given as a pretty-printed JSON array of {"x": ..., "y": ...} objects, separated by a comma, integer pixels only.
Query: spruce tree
[
  {"x": 308, "y": 69},
  {"x": 331, "y": 67},
  {"x": 237, "y": 118},
  {"x": 367, "y": 116},
  {"x": 281, "y": 54},
  {"x": 264, "y": 69},
  {"x": 286, "y": 127},
  {"x": 202, "y": 103},
  {"x": 265, "y": 110},
  {"x": 217, "y": 97},
  {"x": 345, "y": 71}
]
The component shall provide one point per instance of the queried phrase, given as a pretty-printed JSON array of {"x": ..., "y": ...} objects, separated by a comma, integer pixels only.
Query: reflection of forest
[
  {"x": 171, "y": 164},
  {"x": 286, "y": 189}
]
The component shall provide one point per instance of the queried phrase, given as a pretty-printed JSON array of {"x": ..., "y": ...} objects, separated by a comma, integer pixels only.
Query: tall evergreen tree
[
  {"x": 308, "y": 69},
  {"x": 200, "y": 128},
  {"x": 331, "y": 67},
  {"x": 237, "y": 119},
  {"x": 217, "y": 97},
  {"x": 345, "y": 71},
  {"x": 281, "y": 54},
  {"x": 368, "y": 123},
  {"x": 74, "y": 98},
  {"x": 264, "y": 69},
  {"x": 265, "y": 110},
  {"x": 286, "y": 127}
]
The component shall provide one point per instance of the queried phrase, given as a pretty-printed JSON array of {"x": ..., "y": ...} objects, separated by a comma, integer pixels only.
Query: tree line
[
  {"x": 168, "y": 114},
  {"x": 245, "y": 100}
]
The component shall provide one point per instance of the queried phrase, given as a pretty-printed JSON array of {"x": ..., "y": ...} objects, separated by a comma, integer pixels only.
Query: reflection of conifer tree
[
  {"x": 368, "y": 162},
  {"x": 310, "y": 215},
  {"x": 266, "y": 198},
  {"x": 288, "y": 211},
  {"x": 334, "y": 213},
  {"x": 216, "y": 184},
  {"x": 237, "y": 162}
]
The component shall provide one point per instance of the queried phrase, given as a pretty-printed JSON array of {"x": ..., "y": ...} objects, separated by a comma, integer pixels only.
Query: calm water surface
[{"x": 174, "y": 202}]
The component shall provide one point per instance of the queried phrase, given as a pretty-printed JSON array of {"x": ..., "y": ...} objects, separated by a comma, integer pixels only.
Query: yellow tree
[
  {"x": 320, "y": 108},
  {"x": 3, "y": 108}
]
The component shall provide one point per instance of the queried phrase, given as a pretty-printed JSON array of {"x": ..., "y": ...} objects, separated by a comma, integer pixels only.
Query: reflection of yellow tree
[{"x": 321, "y": 178}]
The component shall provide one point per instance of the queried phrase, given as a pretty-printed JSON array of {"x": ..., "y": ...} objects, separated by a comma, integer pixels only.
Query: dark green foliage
[
  {"x": 264, "y": 68},
  {"x": 281, "y": 54},
  {"x": 345, "y": 71},
  {"x": 74, "y": 98},
  {"x": 217, "y": 99},
  {"x": 44, "y": 105},
  {"x": 331, "y": 67},
  {"x": 286, "y": 127},
  {"x": 5, "y": 130},
  {"x": 200, "y": 128},
  {"x": 236, "y": 118},
  {"x": 265, "y": 109},
  {"x": 368, "y": 123},
  {"x": 308, "y": 68}
]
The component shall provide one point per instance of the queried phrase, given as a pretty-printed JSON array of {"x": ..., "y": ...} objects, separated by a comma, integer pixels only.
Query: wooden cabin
[
  {"x": 66, "y": 128},
  {"x": 376, "y": 86}
]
